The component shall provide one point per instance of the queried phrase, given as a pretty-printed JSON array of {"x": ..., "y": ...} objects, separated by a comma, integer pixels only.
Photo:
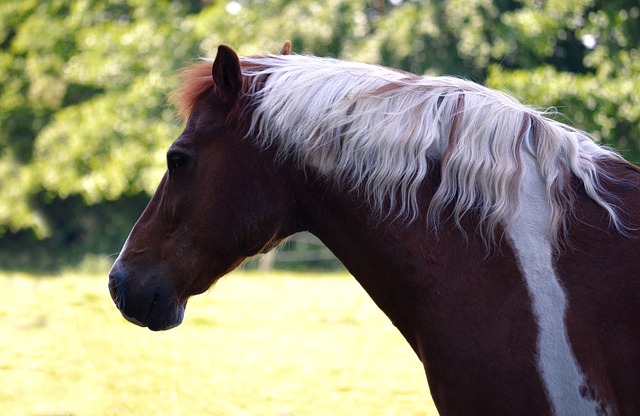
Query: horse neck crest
[{"x": 379, "y": 131}]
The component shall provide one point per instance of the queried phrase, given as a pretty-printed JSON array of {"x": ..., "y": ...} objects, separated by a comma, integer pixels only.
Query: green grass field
[{"x": 278, "y": 345}]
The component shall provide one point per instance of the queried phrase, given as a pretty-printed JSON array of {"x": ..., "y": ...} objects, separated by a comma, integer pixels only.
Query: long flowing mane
[{"x": 381, "y": 132}]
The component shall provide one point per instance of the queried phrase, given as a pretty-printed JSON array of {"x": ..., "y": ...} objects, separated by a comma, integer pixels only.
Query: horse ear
[
  {"x": 227, "y": 74},
  {"x": 286, "y": 49}
]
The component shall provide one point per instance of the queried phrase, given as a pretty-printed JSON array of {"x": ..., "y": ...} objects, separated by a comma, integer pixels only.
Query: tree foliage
[{"x": 83, "y": 111}]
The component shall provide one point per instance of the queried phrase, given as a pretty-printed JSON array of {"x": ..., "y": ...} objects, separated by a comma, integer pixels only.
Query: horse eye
[{"x": 176, "y": 160}]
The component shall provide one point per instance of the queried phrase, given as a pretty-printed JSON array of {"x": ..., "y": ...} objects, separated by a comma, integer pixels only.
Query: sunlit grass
[{"x": 254, "y": 345}]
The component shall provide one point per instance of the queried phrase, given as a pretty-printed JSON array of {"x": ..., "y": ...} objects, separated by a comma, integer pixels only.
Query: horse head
[{"x": 221, "y": 200}]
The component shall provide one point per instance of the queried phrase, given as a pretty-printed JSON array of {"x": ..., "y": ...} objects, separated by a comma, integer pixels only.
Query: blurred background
[
  {"x": 84, "y": 120},
  {"x": 84, "y": 127}
]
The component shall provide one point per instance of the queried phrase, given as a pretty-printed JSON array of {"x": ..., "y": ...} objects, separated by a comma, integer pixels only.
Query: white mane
[{"x": 380, "y": 132}]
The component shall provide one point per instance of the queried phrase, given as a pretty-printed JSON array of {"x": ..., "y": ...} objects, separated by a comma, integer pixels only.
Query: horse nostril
[
  {"x": 116, "y": 282},
  {"x": 113, "y": 288}
]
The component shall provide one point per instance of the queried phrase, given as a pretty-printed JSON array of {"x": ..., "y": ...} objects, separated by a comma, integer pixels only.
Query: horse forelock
[
  {"x": 380, "y": 132},
  {"x": 195, "y": 80}
]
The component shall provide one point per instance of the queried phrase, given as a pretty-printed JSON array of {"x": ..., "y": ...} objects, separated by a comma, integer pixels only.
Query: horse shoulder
[{"x": 599, "y": 268}]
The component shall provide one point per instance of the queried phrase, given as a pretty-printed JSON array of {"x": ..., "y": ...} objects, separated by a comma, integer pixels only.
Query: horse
[{"x": 502, "y": 243}]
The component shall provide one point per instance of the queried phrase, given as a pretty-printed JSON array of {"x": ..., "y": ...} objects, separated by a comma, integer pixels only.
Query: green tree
[
  {"x": 84, "y": 121},
  {"x": 83, "y": 113},
  {"x": 580, "y": 56},
  {"x": 83, "y": 106}
]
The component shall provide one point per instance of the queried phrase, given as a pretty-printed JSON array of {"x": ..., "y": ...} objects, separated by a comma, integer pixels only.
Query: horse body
[
  {"x": 470, "y": 317},
  {"x": 532, "y": 312}
]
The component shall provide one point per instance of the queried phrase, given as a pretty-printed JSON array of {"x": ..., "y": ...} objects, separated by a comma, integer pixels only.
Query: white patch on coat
[{"x": 529, "y": 235}]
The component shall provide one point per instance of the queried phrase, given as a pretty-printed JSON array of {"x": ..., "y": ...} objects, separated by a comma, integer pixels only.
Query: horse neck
[
  {"x": 417, "y": 276},
  {"x": 380, "y": 254}
]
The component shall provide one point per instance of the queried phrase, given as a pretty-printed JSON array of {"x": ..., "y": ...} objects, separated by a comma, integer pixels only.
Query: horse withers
[{"x": 502, "y": 244}]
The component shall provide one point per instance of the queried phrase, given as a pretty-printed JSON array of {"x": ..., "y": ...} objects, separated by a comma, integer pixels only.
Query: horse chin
[{"x": 158, "y": 318}]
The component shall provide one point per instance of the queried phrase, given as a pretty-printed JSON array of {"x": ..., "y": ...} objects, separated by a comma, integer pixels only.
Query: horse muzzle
[{"x": 145, "y": 301}]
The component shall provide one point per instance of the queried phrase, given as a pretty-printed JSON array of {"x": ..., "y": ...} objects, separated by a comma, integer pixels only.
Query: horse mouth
[{"x": 157, "y": 309}]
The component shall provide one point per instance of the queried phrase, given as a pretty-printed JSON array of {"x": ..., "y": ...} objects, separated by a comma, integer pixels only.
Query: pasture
[{"x": 277, "y": 344}]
